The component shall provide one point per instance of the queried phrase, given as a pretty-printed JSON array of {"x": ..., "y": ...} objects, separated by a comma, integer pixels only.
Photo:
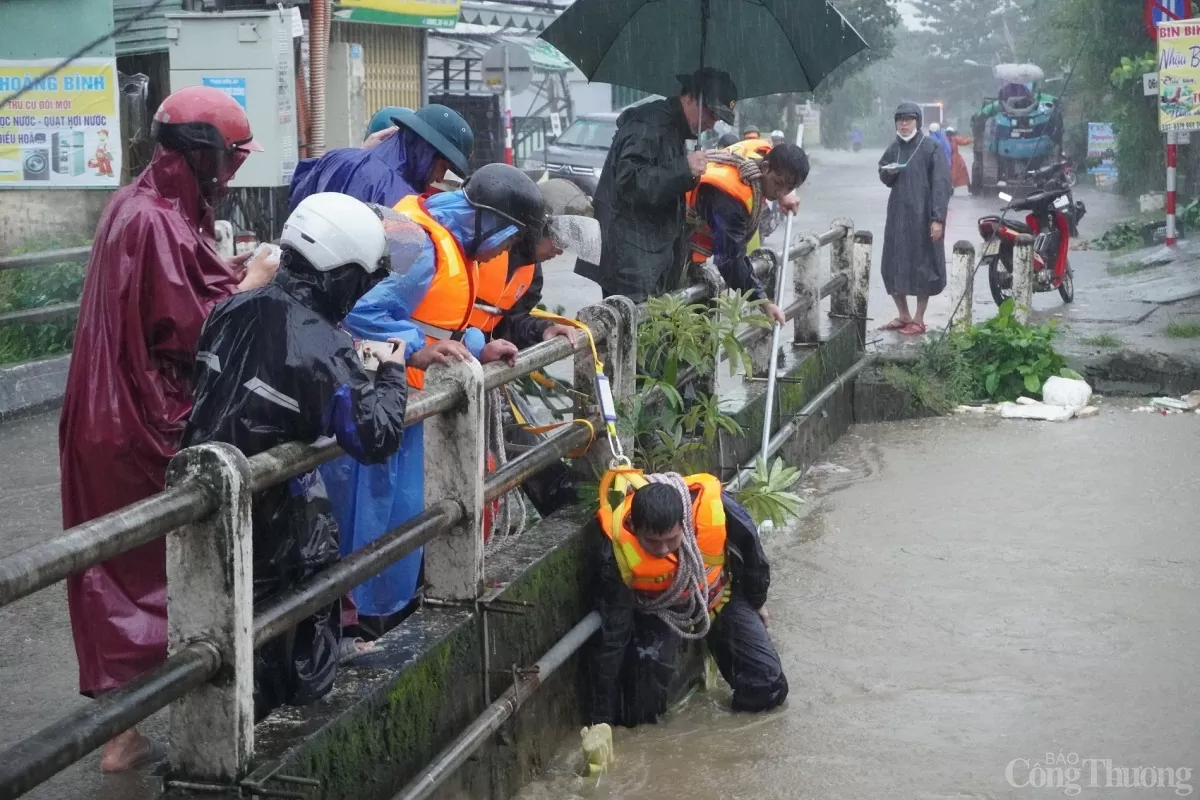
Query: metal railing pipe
[
  {"x": 839, "y": 281},
  {"x": 531, "y": 462},
  {"x": 784, "y": 433},
  {"x": 46, "y": 563},
  {"x": 289, "y": 609},
  {"x": 39, "y": 314},
  {"x": 66, "y": 254},
  {"x": 494, "y": 716},
  {"x": 59, "y": 745}
]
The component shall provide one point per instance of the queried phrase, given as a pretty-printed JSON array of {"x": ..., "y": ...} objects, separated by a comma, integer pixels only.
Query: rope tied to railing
[
  {"x": 683, "y": 607},
  {"x": 511, "y": 513}
]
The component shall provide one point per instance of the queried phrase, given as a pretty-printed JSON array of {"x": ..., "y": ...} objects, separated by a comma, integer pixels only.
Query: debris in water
[{"x": 1170, "y": 403}]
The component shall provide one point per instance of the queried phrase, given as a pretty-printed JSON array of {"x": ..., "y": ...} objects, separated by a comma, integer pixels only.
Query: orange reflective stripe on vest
[
  {"x": 446, "y": 306},
  {"x": 725, "y": 179},
  {"x": 646, "y": 573},
  {"x": 496, "y": 292}
]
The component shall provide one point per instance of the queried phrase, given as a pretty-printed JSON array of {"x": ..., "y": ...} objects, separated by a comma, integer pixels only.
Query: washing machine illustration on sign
[{"x": 36, "y": 161}]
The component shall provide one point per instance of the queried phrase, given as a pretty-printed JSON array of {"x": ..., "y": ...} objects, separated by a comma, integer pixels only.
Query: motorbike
[{"x": 1052, "y": 216}]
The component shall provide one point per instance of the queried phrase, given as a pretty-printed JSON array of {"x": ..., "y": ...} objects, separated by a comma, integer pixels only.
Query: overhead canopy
[
  {"x": 1018, "y": 73},
  {"x": 469, "y": 40},
  {"x": 444, "y": 15}
]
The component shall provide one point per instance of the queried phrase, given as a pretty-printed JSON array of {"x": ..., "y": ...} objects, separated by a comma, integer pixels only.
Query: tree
[{"x": 846, "y": 95}]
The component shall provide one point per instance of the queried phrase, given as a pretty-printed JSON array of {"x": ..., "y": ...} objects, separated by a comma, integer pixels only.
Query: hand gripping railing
[{"x": 205, "y": 514}]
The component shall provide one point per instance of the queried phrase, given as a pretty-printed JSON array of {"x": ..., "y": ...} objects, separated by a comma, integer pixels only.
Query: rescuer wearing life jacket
[
  {"x": 428, "y": 307},
  {"x": 664, "y": 570},
  {"x": 728, "y": 204}
]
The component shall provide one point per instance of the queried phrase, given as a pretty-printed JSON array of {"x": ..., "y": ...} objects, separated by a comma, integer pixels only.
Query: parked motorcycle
[{"x": 1052, "y": 218}]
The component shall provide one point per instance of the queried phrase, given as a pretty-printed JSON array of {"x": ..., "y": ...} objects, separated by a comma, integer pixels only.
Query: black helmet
[{"x": 510, "y": 193}]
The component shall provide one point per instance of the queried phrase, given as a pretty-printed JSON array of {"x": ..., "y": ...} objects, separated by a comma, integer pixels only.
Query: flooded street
[{"x": 963, "y": 598}]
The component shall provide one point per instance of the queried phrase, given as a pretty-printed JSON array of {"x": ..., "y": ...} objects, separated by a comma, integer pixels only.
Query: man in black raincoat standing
[
  {"x": 276, "y": 368},
  {"x": 639, "y": 199}
]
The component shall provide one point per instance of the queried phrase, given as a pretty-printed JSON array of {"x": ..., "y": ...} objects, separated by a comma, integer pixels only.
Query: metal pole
[
  {"x": 776, "y": 332},
  {"x": 508, "y": 130},
  {"x": 809, "y": 409},
  {"x": 288, "y": 610},
  {"x": 62, "y": 743},
  {"x": 530, "y": 463},
  {"x": 494, "y": 716},
  {"x": 1172, "y": 142}
]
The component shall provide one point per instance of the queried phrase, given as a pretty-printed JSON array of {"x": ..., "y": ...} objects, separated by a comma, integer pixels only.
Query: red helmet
[{"x": 201, "y": 116}]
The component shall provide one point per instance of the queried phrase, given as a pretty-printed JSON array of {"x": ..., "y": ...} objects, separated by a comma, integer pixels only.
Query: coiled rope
[
  {"x": 750, "y": 172},
  {"x": 684, "y": 605},
  {"x": 509, "y": 521}
]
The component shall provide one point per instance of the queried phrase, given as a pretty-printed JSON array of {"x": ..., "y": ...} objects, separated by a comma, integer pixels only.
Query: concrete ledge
[
  {"x": 32, "y": 387},
  {"x": 1140, "y": 373},
  {"x": 877, "y": 400}
]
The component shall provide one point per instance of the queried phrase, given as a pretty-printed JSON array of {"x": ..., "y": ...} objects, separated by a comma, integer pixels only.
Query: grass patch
[
  {"x": 1106, "y": 341},
  {"x": 1131, "y": 268},
  {"x": 1182, "y": 330},
  {"x": 34, "y": 287}
]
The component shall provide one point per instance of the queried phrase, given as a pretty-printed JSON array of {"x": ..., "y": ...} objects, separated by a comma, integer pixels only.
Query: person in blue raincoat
[
  {"x": 429, "y": 141},
  {"x": 935, "y": 133},
  {"x": 427, "y": 309}
]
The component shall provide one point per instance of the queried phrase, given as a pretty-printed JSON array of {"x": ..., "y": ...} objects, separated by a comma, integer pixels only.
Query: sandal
[
  {"x": 351, "y": 648},
  {"x": 913, "y": 328},
  {"x": 895, "y": 324}
]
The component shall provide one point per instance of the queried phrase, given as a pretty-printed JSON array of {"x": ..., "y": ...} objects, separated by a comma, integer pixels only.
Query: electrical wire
[{"x": 78, "y": 54}]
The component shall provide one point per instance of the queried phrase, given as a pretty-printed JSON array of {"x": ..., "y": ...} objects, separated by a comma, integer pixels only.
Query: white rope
[
  {"x": 684, "y": 605},
  {"x": 750, "y": 172},
  {"x": 509, "y": 521}
]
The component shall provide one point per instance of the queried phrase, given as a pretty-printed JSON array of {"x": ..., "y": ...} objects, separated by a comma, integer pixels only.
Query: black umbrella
[{"x": 766, "y": 46}]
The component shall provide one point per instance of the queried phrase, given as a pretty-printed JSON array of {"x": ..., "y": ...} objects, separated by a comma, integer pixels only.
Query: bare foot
[{"x": 126, "y": 751}]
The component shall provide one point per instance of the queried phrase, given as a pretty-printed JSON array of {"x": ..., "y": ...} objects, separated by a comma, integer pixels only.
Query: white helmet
[
  {"x": 332, "y": 230},
  {"x": 777, "y": 136},
  {"x": 934, "y": 127}
]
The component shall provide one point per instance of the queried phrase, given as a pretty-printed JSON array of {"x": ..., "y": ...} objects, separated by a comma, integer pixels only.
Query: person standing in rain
[
  {"x": 959, "y": 175},
  {"x": 428, "y": 142},
  {"x": 152, "y": 279},
  {"x": 913, "y": 263},
  {"x": 640, "y": 198}
]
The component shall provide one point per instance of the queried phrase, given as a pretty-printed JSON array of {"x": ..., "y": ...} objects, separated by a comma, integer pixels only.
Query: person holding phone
[{"x": 914, "y": 253}]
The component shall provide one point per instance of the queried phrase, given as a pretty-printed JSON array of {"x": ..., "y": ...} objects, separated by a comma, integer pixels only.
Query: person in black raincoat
[
  {"x": 277, "y": 369},
  {"x": 639, "y": 199},
  {"x": 913, "y": 262},
  {"x": 634, "y": 656}
]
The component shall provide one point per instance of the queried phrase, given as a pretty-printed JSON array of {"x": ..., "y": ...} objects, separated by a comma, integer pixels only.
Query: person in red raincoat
[
  {"x": 959, "y": 176},
  {"x": 152, "y": 279}
]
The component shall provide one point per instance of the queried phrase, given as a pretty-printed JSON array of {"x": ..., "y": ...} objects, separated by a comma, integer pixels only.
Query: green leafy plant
[
  {"x": 768, "y": 494},
  {"x": 35, "y": 287},
  {"x": 1008, "y": 358},
  {"x": 1122, "y": 236},
  {"x": 1182, "y": 330},
  {"x": 1105, "y": 341}
]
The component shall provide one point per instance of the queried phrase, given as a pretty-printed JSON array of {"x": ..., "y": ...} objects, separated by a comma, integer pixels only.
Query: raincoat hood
[
  {"x": 397, "y": 167},
  {"x": 172, "y": 178},
  {"x": 331, "y": 294},
  {"x": 476, "y": 231},
  {"x": 907, "y": 109}
]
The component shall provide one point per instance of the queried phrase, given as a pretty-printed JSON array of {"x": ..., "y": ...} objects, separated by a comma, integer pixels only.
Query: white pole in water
[{"x": 777, "y": 329}]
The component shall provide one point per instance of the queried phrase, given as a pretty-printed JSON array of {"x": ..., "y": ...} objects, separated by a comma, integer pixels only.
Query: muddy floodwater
[{"x": 970, "y": 608}]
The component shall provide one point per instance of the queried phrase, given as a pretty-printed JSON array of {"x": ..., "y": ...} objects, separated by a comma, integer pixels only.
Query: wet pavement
[{"x": 944, "y": 610}]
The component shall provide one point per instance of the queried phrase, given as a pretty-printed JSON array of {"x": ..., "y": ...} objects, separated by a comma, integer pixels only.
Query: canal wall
[{"x": 395, "y": 709}]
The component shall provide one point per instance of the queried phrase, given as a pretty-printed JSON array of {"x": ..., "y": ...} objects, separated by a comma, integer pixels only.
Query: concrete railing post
[
  {"x": 210, "y": 597},
  {"x": 622, "y": 353},
  {"x": 962, "y": 283},
  {"x": 860, "y": 281},
  {"x": 455, "y": 462},
  {"x": 841, "y": 262},
  {"x": 1022, "y": 277},
  {"x": 807, "y": 282},
  {"x": 616, "y": 355}
]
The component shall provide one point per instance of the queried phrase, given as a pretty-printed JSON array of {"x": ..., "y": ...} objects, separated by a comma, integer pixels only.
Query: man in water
[{"x": 677, "y": 557}]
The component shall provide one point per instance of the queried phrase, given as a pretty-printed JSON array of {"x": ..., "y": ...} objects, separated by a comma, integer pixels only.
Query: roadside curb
[
  {"x": 1139, "y": 373},
  {"x": 32, "y": 387}
]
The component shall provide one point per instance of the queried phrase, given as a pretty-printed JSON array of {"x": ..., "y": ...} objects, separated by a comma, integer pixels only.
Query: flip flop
[
  {"x": 894, "y": 325},
  {"x": 913, "y": 329},
  {"x": 349, "y": 649},
  {"x": 156, "y": 753}
]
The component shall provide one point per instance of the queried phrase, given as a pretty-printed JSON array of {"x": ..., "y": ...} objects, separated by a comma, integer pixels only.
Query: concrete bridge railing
[{"x": 205, "y": 515}]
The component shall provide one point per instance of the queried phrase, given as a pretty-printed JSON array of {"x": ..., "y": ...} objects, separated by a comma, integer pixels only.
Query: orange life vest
[
  {"x": 643, "y": 572},
  {"x": 446, "y": 308},
  {"x": 724, "y": 178},
  {"x": 496, "y": 293}
]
